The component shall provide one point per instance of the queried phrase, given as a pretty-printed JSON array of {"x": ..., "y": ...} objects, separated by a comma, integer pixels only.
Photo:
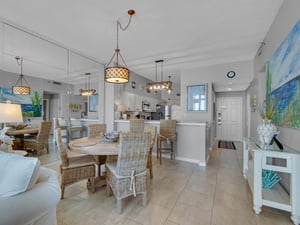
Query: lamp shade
[
  {"x": 121, "y": 108},
  {"x": 10, "y": 113},
  {"x": 117, "y": 75}
]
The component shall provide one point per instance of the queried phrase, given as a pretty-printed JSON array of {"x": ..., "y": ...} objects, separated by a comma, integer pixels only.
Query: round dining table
[{"x": 97, "y": 147}]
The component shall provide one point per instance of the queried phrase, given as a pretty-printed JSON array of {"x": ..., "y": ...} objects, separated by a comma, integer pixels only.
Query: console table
[{"x": 255, "y": 160}]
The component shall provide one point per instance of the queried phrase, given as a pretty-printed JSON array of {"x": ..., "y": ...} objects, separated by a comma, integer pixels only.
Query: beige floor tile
[
  {"x": 267, "y": 218},
  {"x": 188, "y": 215},
  {"x": 223, "y": 215},
  {"x": 197, "y": 200},
  {"x": 150, "y": 215},
  {"x": 180, "y": 193}
]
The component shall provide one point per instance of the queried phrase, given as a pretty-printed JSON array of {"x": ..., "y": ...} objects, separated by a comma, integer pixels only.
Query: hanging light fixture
[
  {"x": 116, "y": 73},
  {"x": 19, "y": 88},
  {"x": 161, "y": 85},
  {"x": 87, "y": 91}
]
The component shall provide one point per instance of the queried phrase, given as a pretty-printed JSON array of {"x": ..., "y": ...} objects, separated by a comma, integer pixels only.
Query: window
[{"x": 197, "y": 98}]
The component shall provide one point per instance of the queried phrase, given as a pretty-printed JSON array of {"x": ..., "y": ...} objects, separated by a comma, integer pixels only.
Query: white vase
[{"x": 266, "y": 131}]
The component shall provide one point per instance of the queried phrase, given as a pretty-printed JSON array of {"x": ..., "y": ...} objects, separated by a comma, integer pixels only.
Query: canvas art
[
  {"x": 283, "y": 80},
  {"x": 31, "y": 104}
]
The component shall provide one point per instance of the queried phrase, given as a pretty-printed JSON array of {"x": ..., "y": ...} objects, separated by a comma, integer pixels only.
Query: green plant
[
  {"x": 36, "y": 104},
  {"x": 267, "y": 111}
]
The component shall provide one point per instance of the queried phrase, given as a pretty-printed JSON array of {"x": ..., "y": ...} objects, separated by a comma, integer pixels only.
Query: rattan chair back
[
  {"x": 133, "y": 153},
  {"x": 152, "y": 130},
  {"x": 136, "y": 125},
  {"x": 167, "y": 128},
  {"x": 44, "y": 132},
  {"x": 61, "y": 148},
  {"x": 94, "y": 130}
]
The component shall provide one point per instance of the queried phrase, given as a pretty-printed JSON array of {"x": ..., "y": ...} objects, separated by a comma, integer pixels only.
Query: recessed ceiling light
[{"x": 229, "y": 89}]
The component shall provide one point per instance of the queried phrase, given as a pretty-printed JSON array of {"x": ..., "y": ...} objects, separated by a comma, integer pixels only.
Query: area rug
[{"x": 226, "y": 145}]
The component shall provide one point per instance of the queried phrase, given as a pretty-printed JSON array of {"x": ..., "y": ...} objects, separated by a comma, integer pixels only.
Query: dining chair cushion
[{"x": 18, "y": 173}]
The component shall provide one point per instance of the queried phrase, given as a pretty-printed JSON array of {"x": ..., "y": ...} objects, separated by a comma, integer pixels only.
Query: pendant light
[
  {"x": 160, "y": 85},
  {"x": 116, "y": 73},
  {"x": 87, "y": 91},
  {"x": 19, "y": 88}
]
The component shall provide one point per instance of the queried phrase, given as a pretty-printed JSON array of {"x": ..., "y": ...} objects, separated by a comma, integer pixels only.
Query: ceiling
[{"x": 186, "y": 34}]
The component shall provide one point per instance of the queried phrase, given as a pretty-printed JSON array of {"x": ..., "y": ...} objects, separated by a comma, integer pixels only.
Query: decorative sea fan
[{"x": 269, "y": 179}]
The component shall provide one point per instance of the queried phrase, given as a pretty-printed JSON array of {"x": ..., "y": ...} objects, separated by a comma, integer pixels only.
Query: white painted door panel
[{"x": 229, "y": 118}]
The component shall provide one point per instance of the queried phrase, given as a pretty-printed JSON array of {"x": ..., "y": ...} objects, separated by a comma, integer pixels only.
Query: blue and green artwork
[
  {"x": 31, "y": 104},
  {"x": 283, "y": 80}
]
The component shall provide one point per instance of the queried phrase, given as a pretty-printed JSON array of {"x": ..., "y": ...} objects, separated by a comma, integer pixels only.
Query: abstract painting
[
  {"x": 283, "y": 80},
  {"x": 31, "y": 104}
]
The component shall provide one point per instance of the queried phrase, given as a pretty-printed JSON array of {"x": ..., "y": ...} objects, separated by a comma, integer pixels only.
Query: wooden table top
[
  {"x": 94, "y": 146},
  {"x": 26, "y": 130}
]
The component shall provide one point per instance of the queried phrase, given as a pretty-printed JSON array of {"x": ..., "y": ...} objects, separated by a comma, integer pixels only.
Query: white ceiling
[{"x": 186, "y": 34}]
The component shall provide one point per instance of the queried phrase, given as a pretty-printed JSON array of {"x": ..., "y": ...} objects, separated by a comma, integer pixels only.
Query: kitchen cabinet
[{"x": 255, "y": 160}]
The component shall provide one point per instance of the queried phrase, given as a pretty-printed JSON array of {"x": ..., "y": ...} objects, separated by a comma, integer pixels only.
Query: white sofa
[{"x": 34, "y": 206}]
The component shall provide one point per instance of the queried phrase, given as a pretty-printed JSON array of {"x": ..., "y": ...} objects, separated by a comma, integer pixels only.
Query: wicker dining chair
[
  {"x": 76, "y": 168},
  {"x": 127, "y": 176},
  {"x": 41, "y": 141},
  {"x": 94, "y": 131},
  {"x": 166, "y": 138},
  {"x": 152, "y": 130},
  {"x": 136, "y": 125}
]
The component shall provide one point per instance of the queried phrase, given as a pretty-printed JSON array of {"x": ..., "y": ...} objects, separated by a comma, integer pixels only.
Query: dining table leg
[{"x": 100, "y": 180}]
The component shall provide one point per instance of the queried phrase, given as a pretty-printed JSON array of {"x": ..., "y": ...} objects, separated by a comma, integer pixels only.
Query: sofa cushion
[{"x": 18, "y": 174}]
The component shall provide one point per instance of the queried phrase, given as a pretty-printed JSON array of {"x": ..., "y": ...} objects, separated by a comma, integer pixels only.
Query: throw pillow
[{"x": 17, "y": 173}]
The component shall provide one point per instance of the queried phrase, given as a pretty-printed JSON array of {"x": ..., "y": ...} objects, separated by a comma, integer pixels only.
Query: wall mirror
[{"x": 197, "y": 98}]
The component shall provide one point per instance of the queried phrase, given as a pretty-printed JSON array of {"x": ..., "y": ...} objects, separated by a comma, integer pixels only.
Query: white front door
[{"x": 229, "y": 118}]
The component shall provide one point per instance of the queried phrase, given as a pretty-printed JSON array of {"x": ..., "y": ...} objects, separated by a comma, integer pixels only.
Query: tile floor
[{"x": 180, "y": 193}]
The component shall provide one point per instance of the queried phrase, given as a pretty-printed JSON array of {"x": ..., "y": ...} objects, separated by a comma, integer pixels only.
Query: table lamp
[
  {"x": 9, "y": 113},
  {"x": 121, "y": 108}
]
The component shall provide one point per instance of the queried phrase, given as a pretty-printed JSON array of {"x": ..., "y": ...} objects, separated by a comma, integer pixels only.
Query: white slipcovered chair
[{"x": 29, "y": 193}]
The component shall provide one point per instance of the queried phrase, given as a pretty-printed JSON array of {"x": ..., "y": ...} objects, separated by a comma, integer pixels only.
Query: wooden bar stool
[{"x": 166, "y": 138}]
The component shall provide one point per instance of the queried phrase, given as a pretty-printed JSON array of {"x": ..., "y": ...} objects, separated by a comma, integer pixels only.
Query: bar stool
[{"x": 166, "y": 138}]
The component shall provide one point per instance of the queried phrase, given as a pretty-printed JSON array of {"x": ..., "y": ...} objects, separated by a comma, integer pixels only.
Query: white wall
[{"x": 287, "y": 17}]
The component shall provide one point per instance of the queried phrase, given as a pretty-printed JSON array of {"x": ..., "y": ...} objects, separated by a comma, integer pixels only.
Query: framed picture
[
  {"x": 93, "y": 103},
  {"x": 197, "y": 98}
]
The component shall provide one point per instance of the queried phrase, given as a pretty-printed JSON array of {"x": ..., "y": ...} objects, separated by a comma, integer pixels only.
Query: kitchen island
[{"x": 192, "y": 139}]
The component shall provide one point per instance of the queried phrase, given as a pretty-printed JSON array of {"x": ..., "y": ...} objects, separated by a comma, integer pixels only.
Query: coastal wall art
[
  {"x": 283, "y": 80},
  {"x": 31, "y": 104}
]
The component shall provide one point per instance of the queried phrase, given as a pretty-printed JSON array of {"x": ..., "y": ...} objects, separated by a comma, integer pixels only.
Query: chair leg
[
  {"x": 62, "y": 191},
  {"x": 119, "y": 206},
  {"x": 157, "y": 148},
  {"x": 151, "y": 173},
  {"x": 92, "y": 181},
  {"x": 144, "y": 199},
  {"x": 108, "y": 190},
  {"x": 160, "y": 152}
]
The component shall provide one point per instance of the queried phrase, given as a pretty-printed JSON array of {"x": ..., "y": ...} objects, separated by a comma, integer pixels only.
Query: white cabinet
[{"x": 286, "y": 161}]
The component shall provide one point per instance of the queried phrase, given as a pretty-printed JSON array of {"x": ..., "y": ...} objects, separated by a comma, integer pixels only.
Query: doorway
[
  {"x": 229, "y": 115},
  {"x": 50, "y": 106}
]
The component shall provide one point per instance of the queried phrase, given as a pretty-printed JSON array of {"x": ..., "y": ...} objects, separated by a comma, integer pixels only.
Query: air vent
[{"x": 57, "y": 83}]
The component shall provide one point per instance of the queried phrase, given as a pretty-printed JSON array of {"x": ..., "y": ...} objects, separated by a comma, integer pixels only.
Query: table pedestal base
[{"x": 99, "y": 182}]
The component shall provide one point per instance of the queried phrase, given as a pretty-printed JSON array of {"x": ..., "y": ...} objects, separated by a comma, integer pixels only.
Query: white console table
[{"x": 255, "y": 160}]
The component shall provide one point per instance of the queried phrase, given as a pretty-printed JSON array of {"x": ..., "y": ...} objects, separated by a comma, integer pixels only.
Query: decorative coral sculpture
[{"x": 269, "y": 179}]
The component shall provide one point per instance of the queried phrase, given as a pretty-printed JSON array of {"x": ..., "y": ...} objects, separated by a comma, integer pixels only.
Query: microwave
[{"x": 145, "y": 106}]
